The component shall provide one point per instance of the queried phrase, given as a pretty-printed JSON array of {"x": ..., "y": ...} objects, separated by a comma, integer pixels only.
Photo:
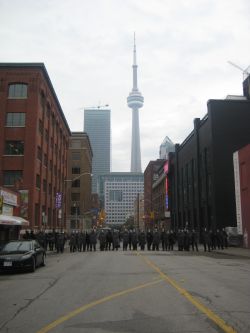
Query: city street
[{"x": 129, "y": 292}]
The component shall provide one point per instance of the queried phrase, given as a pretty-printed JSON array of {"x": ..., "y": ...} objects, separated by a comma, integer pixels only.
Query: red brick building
[
  {"x": 34, "y": 137},
  {"x": 150, "y": 176}
]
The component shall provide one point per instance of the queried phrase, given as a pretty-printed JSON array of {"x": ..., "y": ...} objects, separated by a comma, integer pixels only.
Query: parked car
[{"x": 22, "y": 255}]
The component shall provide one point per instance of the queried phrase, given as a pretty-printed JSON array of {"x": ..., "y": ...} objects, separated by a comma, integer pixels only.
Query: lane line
[
  {"x": 93, "y": 304},
  {"x": 209, "y": 313}
]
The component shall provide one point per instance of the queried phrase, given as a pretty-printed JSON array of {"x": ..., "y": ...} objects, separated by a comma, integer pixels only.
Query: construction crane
[
  {"x": 245, "y": 72},
  {"x": 94, "y": 107}
]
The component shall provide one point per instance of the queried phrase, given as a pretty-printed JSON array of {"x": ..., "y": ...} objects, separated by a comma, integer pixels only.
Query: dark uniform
[
  {"x": 142, "y": 240},
  {"x": 93, "y": 240},
  {"x": 206, "y": 240},
  {"x": 125, "y": 240},
  {"x": 180, "y": 238},
  {"x": 116, "y": 240},
  {"x": 102, "y": 239},
  {"x": 194, "y": 240},
  {"x": 171, "y": 240},
  {"x": 60, "y": 242},
  {"x": 109, "y": 240},
  {"x": 134, "y": 240},
  {"x": 72, "y": 242},
  {"x": 149, "y": 239},
  {"x": 156, "y": 240}
]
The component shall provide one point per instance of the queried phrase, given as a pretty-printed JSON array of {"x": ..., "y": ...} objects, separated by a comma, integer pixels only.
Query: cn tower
[{"x": 135, "y": 101}]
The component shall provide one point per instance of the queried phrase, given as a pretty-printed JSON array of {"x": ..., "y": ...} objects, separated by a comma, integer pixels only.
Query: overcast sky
[{"x": 86, "y": 45}]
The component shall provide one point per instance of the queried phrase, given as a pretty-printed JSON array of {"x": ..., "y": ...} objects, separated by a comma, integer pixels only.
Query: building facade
[
  {"x": 34, "y": 137},
  {"x": 98, "y": 127},
  {"x": 150, "y": 176},
  {"x": 201, "y": 170},
  {"x": 79, "y": 182},
  {"x": 161, "y": 197},
  {"x": 139, "y": 218},
  {"x": 118, "y": 191},
  {"x": 242, "y": 192}
]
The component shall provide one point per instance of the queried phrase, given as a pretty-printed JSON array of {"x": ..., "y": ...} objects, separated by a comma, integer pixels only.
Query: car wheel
[
  {"x": 43, "y": 260},
  {"x": 33, "y": 265}
]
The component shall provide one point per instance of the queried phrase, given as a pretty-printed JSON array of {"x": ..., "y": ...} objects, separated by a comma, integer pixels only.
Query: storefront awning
[{"x": 13, "y": 220}]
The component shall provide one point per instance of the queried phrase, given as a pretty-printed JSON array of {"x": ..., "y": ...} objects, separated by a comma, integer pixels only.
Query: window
[
  {"x": 45, "y": 160},
  {"x": 14, "y": 147},
  {"x": 46, "y": 135},
  {"x": 73, "y": 224},
  {"x": 75, "y": 196},
  {"x": 15, "y": 119},
  {"x": 40, "y": 126},
  {"x": 75, "y": 210},
  {"x": 76, "y": 144},
  {"x": 44, "y": 185},
  {"x": 39, "y": 153},
  {"x": 18, "y": 90},
  {"x": 10, "y": 177},
  {"x": 48, "y": 111},
  {"x": 76, "y": 170},
  {"x": 37, "y": 215},
  {"x": 115, "y": 195},
  {"x": 76, "y": 156},
  {"x": 38, "y": 181},
  {"x": 76, "y": 183}
]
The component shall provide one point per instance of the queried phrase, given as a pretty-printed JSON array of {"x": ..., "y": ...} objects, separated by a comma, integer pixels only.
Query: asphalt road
[{"x": 129, "y": 292}]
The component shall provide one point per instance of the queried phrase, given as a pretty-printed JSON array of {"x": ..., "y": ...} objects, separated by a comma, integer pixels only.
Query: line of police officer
[
  {"x": 131, "y": 239},
  {"x": 52, "y": 240}
]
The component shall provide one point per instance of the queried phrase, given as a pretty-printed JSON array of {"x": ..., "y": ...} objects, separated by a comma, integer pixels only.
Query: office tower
[
  {"x": 97, "y": 126},
  {"x": 135, "y": 101},
  {"x": 166, "y": 147}
]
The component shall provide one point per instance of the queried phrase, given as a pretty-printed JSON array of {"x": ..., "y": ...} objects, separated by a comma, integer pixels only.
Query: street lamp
[
  {"x": 75, "y": 214},
  {"x": 82, "y": 174}
]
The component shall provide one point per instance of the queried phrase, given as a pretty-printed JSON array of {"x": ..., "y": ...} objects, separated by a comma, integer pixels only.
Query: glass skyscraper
[{"x": 97, "y": 126}]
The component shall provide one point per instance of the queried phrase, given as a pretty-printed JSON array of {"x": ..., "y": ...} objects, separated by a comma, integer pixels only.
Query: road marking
[
  {"x": 209, "y": 313},
  {"x": 93, "y": 304}
]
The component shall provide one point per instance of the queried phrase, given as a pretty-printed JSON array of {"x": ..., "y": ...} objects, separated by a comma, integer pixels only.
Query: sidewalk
[{"x": 235, "y": 251}]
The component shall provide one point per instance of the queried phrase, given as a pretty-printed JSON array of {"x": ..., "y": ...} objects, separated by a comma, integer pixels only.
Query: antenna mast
[{"x": 245, "y": 72}]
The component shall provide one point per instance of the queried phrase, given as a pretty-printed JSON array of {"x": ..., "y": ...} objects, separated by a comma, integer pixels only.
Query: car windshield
[{"x": 17, "y": 246}]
